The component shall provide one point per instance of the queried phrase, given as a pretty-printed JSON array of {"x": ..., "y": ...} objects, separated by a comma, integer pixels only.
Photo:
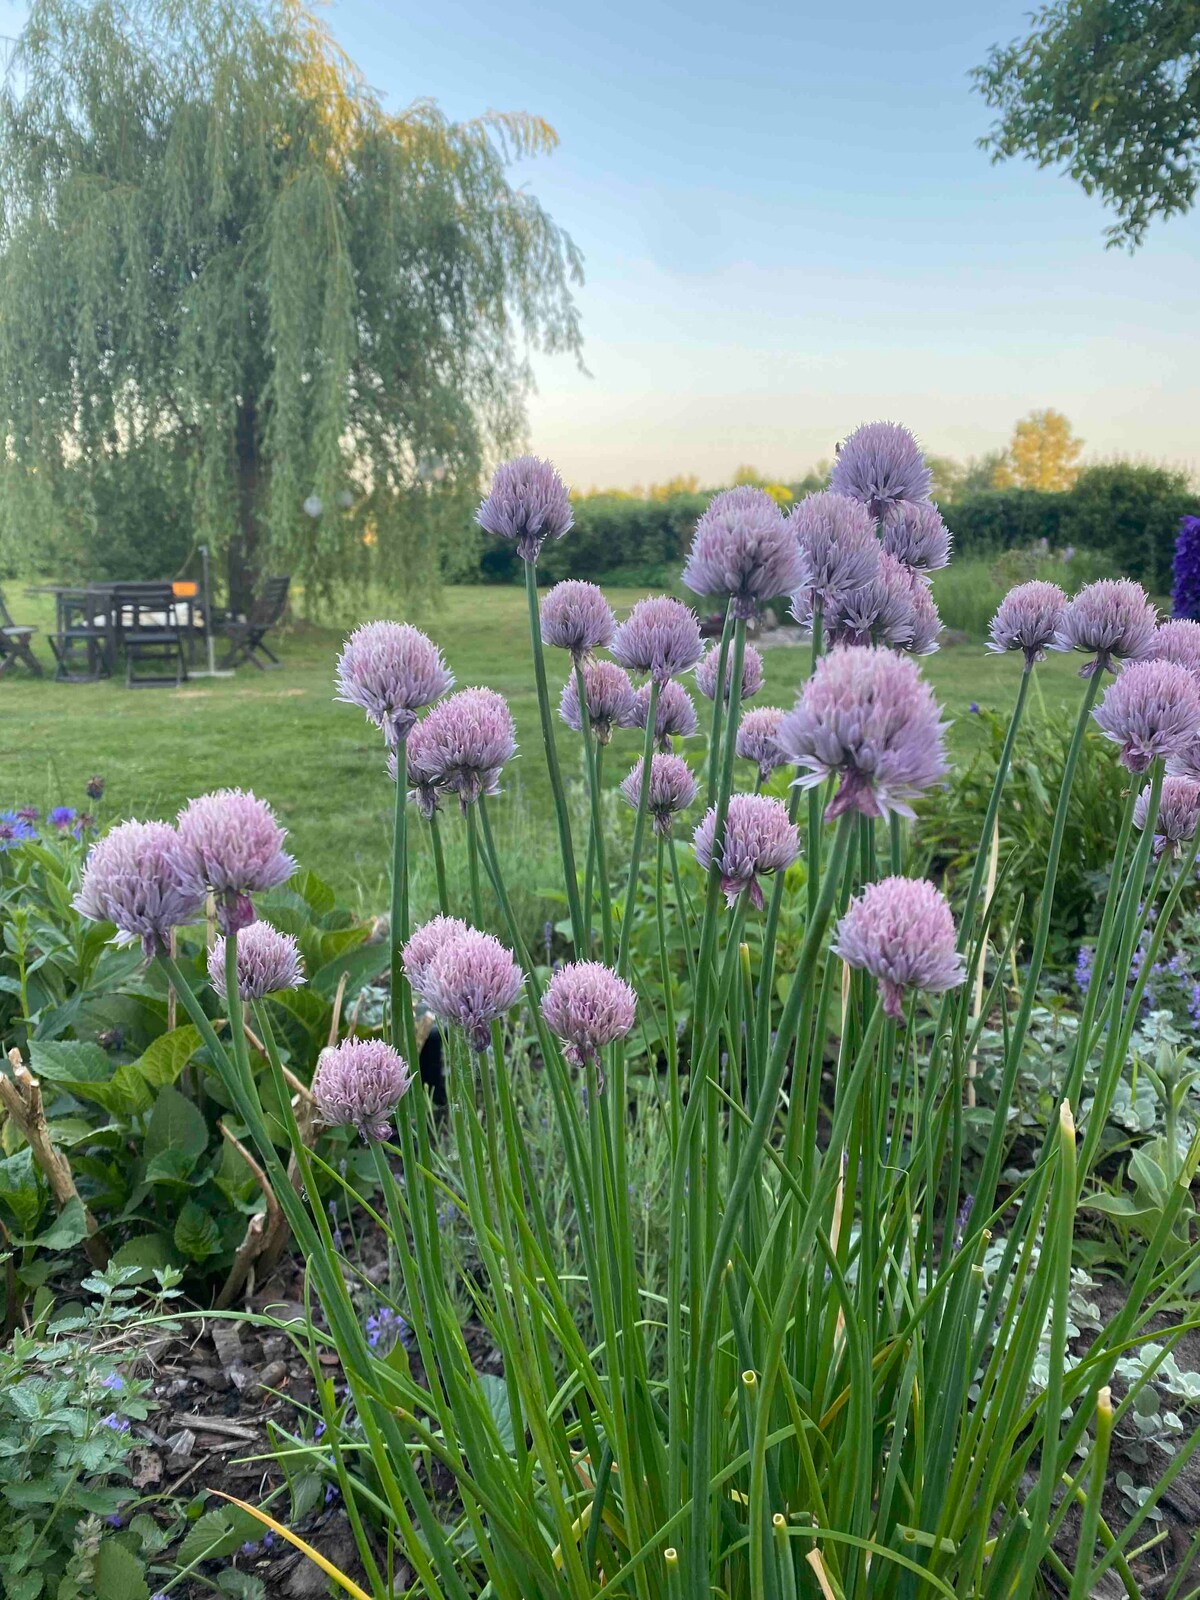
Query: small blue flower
[
  {"x": 1083, "y": 967},
  {"x": 973, "y": 708},
  {"x": 116, "y": 1423},
  {"x": 14, "y": 829},
  {"x": 113, "y": 1380},
  {"x": 385, "y": 1329},
  {"x": 63, "y": 818}
]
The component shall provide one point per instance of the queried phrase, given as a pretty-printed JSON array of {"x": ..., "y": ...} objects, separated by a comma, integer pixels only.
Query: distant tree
[
  {"x": 1108, "y": 90},
  {"x": 779, "y": 492},
  {"x": 813, "y": 481},
  {"x": 217, "y": 246},
  {"x": 979, "y": 473},
  {"x": 1044, "y": 454}
]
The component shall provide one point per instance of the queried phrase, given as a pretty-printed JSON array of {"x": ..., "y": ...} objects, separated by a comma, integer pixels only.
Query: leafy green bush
[
  {"x": 616, "y": 538},
  {"x": 970, "y": 588}
]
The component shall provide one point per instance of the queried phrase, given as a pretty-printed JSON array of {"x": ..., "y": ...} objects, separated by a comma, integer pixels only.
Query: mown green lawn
[{"x": 321, "y": 766}]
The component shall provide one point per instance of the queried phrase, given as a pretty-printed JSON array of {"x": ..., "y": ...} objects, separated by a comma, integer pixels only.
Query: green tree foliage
[
  {"x": 228, "y": 276},
  {"x": 1109, "y": 91}
]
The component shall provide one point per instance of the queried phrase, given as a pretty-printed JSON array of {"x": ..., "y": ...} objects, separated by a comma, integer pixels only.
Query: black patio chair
[
  {"x": 152, "y": 635},
  {"x": 82, "y": 640},
  {"x": 16, "y": 643},
  {"x": 247, "y": 635}
]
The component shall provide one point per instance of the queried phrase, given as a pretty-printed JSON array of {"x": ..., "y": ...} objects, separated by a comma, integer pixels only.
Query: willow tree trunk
[{"x": 244, "y": 546}]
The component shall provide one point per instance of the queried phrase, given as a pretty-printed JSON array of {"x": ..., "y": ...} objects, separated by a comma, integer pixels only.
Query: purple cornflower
[
  {"x": 672, "y": 789},
  {"x": 706, "y": 673},
  {"x": 94, "y": 787},
  {"x": 1178, "y": 641},
  {"x": 463, "y": 743},
  {"x": 901, "y": 931},
  {"x": 392, "y": 671},
  {"x": 141, "y": 878},
  {"x": 756, "y": 740},
  {"x": 1113, "y": 618},
  {"x": 1185, "y": 593},
  {"x": 588, "y": 1006},
  {"x": 62, "y": 818},
  {"x": 660, "y": 636},
  {"x": 1151, "y": 709},
  {"x": 473, "y": 981},
  {"x": 528, "y": 503},
  {"x": 839, "y": 552},
  {"x": 267, "y": 961},
  {"x": 1028, "y": 619},
  {"x": 235, "y": 847},
  {"x": 675, "y": 716},
  {"x": 917, "y": 536},
  {"x": 426, "y": 945},
  {"x": 360, "y": 1082},
  {"x": 1178, "y": 807},
  {"x": 742, "y": 551},
  {"x": 1084, "y": 963},
  {"x": 609, "y": 696},
  {"x": 758, "y": 838},
  {"x": 881, "y": 464},
  {"x": 577, "y": 617},
  {"x": 26, "y": 813},
  {"x": 14, "y": 829},
  {"x": 868, "y": 717}
]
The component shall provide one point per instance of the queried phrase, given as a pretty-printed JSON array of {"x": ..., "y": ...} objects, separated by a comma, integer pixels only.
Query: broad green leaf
[
  {"x": 166, "y": 1058},
  {"x": 362, "y": 966},
  {"x": 69, "y": 1061},
  {"x": 196, "y": 1233},
  {"x": 496, "y": 1393},
  {"x": 67, "y": 1230},
  {"x": 170, "y": 1166},
  {"x": 20, "y": 1194},
  {"x": 119, "y": 1573},
  {"x": 148, "y": 1252},
  {"x": 177, "y": 1125},
  {"x": 216, "y": 1534}
]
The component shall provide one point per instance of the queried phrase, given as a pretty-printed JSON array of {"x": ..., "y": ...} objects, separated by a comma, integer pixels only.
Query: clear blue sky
[{"x": 788, "y": 228}]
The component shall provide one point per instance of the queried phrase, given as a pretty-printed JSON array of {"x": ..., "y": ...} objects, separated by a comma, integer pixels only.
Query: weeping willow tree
[{"x": 295, "y": 323}]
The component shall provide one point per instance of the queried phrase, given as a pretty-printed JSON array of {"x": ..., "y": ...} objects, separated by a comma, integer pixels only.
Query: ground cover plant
[{"x": 744, "y": 1166}]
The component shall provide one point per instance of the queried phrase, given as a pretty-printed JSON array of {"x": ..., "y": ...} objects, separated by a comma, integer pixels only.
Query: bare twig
[
  {"x": 264, "y": 1232},
  {"x": 22, "y": 1097}
]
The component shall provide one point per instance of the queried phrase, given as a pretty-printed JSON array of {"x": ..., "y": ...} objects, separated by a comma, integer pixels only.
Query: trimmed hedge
[
  {"x": 1128, "y": 513},
  {"x": 616, "y": 538}
]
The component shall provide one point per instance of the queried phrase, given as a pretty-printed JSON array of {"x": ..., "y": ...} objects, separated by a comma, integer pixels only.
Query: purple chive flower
[
  {"x": 916, "y": 535},
  {"x": 62, "y": 818},
  {"x": 752, "y": 673},
  {"x": 423, "y": 767},
  {"x": 141, "y": 877},
  {"x": 1185, "y": 592},
  {"x": 392, "y": 671},
  {"x": 462, "y": 745},
  {"x": 267, "y": 961},
  {"x": 756, "y": 740},
  {"x": 1178, "y": 808},
  {"x": 236, "y": 848},
  {"x": 1151, "y": 709},
  {"x": 588, "y": 1006},
  {"x": 426, "y": 945},
  {"x": 758, "y": 838},
  {"x": 660, "y": 636},
  {"x": 672, "y": 789},
  {"x": 868, "y": 717},
  {"x": 901, "y": 931},
  {"x": 609, "y": 696},
  {"x": 1113, "y": 618},
  {"x": 14, "y": 829},
  {"x": 926, "y": 624},
  {"x": 360, "y": 1082},
  {"x": 1178, "y": 641},
  {"x": 1028, "y": 619},
  {"x": 528, "y": 503},
  {"x": 839, "y": 552},
  {"x": 742, "y": 551},
  {"x": 883, "y": 611},
  {"x": 577, "y": 617},
  {"x": 881, "y": 464},
  {"x": 473, "y": 981},
  {"x": 675, "y": 716}
]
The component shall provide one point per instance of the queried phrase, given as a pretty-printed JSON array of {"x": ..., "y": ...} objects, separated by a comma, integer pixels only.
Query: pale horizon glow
[{"x": 788, "y": 229}]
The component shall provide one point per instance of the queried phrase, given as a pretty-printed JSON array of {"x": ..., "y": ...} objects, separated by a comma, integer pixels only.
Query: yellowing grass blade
[{"x": 326, "y": 1566}]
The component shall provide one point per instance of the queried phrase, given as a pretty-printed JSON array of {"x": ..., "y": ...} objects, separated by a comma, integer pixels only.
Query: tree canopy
[
  {"x": 233, "y": 283},
  {"x": 1109, "y": 90},
  {"x": 1044, "y": 454}
]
